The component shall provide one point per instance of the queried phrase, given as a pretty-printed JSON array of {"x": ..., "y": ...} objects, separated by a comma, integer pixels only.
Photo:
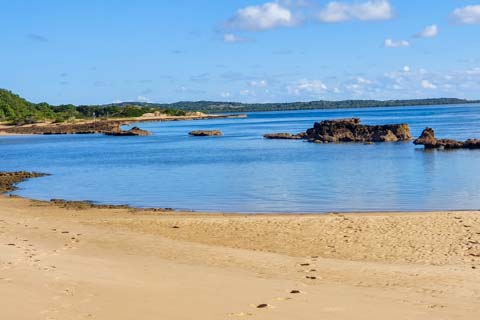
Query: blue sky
[{"x": 87, "y": 52}]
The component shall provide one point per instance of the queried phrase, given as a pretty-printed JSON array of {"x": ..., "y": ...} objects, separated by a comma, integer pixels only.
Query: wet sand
[{"x": 73, "y": 262}]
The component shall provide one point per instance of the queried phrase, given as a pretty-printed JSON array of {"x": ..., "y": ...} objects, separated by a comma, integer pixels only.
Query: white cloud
[
  {"x": 363, "y": 80},
  {"x": 232, "y": 38},
  {"x": 428, "y": 85},
  {"x": 473, "y": 72},
  {"x": 369, "y": 10},
  {"x": 304, "y": 86},
  {"x": 428, "y": 32},
  {"x": 225, "y": 94},
  {"x": 247, "y": 92},
  {"x": 390, "y": 43},
  {"x": 406, "y": 68},
  {"x": 262, "y": 17},
  {"x": 258, "y": 84},
  {"x": 467, "y": 15}
]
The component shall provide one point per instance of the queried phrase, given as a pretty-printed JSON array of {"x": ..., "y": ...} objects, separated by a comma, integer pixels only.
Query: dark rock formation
[
  {"x": 349, "y": 130},
  {"x": 9, "y": 179},
  {"x": 206, "y": 133},
  {"x": 135, "y": 131},
  {"x": 472, "y": 144},
  {"x": 428, "y": 140}
]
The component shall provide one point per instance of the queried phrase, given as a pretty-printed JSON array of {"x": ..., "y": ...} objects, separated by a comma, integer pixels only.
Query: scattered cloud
[
  {"x": 428, "y": 85},
  {"x": 390, "y": 43},
  {"x": 371, "y": 10},
  {"x": 233, "y": 38},
  {"x": 258, "y": 83},
  {"x": 406, "y": 69},
  {"x": 225, "y": 94},
  {"x": 37, "y": 37},
  {"x": 262, "y": 17},
  {"x": 307, "y": 87},
  {"x": 247, "y": 92},
  {"x": 428, "y": 32},
  {"x": 467, "y": 15}
]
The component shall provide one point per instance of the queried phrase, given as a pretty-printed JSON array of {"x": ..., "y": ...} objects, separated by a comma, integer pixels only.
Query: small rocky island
[
  {"x": 205, "y": 133},
  {"x": 135, "y": 131},
  {"x": 428, "y": 140},
  {"x": 348, "y": 130}
]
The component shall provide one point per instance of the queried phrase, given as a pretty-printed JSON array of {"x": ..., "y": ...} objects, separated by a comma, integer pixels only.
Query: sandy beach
[{"x": 67, "y": 262}]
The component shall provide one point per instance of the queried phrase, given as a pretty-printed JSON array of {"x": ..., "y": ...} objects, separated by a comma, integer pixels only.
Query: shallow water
[{"x": 242, "y": 172}]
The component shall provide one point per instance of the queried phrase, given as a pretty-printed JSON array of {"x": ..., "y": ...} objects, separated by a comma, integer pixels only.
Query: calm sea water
[{"x": 242, "y": 172}]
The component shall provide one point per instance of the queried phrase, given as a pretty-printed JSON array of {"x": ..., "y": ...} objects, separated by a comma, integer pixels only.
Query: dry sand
[{"x": 91, "y": 263}]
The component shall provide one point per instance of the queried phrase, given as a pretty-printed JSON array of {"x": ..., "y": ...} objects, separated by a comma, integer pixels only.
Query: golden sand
[{"x": 71, "y": 263}]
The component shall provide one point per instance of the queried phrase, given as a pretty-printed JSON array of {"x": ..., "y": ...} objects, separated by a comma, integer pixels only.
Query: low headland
[{"x": 71, "y": 261}]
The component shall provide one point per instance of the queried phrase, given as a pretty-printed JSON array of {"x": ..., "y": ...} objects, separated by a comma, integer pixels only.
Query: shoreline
[
  {"x": 74, "y": 260},
  {"x": 6, "y": 187}
]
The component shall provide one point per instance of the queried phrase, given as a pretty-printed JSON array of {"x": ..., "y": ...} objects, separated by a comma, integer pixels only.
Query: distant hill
[
  {"x": 214, "y": 107},
  {"x": 17, "y": 110}
]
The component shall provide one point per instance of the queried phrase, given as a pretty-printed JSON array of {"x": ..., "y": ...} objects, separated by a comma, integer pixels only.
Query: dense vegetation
[{"x": 17, "y": 110}]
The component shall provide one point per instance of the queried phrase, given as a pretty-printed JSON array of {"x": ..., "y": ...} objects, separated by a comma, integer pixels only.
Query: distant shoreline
[{"x": 231, "y": 107}]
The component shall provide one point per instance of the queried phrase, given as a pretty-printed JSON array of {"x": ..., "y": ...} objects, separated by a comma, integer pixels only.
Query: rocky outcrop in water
[
  {"x": 428, "y": 140},
  {"x": 205, "y": 133},
  {"x": 135, "y": 131},
  {"x": 349, "y": 130}
]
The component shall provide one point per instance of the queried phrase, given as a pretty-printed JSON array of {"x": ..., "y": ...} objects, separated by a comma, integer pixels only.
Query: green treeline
[
  {"x": 16, "y": 110},
  {"x": 220, "y": 107}
]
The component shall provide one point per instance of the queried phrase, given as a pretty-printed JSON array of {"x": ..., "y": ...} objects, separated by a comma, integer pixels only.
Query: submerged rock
[
  {"x": 349, "y": 130},
  {"x": 284, "y": 136},
  {"x": 9, "y": 179},
  {"x": 205, "y": 133},
  {"x": 428, "y": 140}
]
